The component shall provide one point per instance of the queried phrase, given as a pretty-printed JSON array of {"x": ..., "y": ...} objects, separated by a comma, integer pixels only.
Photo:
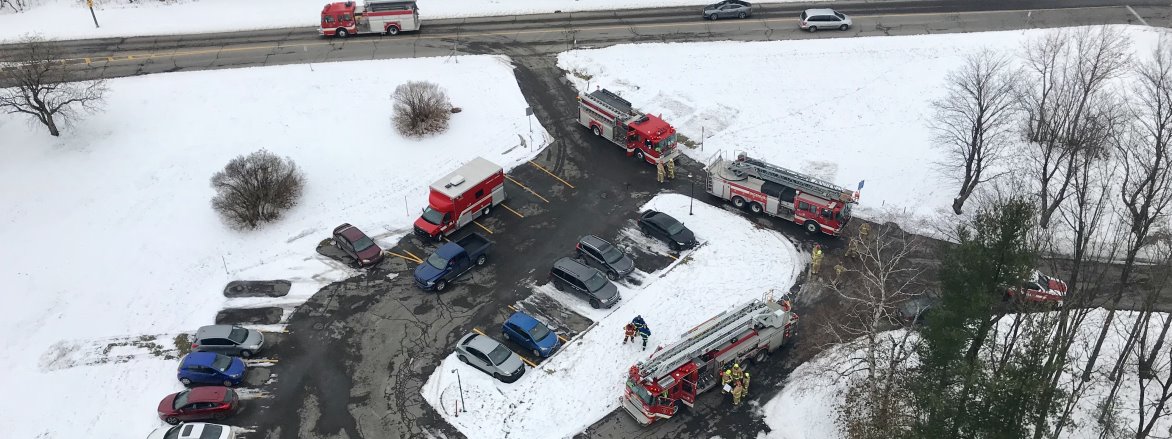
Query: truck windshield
[
  {"x": 666, "y": 143},
  {"x": 639, "y": 391},
  {"x": 845, "y": 213},
  {"x": 437, "y": 261},
  {"x": 433, "y": 216}
]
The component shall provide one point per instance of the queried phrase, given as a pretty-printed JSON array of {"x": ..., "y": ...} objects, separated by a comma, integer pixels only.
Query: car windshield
[
  {"x": 840, "y": 16},
  {"x": 222, "y": 363},
  {"x": 238, "y": 335},
  {"x": 180, "y": 399},
  {"x": 595, "y": 282},
  {"x": 539, "y": 332},
  {"x": 363, "y": 244},
  {"x": 499, "y": 355},
  {"x": 173, "y": 433},
  {"x": 611, "y": 254},
  {"x": 432, "y": 216},
  {"x": 437, "y": 261},
  {"x": 674, "y": 227},
  {"x": 211, "y": 431}
]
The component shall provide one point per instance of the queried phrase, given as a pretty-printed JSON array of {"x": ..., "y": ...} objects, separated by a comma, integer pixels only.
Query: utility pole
[{"x": 90, "y": 3}]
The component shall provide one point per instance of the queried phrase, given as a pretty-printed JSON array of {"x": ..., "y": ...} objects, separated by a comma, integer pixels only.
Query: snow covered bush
[
  {"x": 420, "y": 108},
  {"x": 256, "y": 188}
]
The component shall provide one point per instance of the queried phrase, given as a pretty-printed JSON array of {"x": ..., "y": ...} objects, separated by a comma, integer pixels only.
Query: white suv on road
[{"x": 814, "y": 19}]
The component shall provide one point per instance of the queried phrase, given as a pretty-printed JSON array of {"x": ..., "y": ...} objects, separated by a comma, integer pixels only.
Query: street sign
[{"x": 528, "y": 111}]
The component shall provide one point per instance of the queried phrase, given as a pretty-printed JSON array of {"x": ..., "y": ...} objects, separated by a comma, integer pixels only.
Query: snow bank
[
  {"x": 845, "y": 109},
  {"x": 583, "y": 382},
  {"x": 70, "y": 19},
  {"x": 110, "y": 233}
]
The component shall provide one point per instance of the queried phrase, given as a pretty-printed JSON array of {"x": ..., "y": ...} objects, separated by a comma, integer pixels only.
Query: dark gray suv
[
  {"x": 569, "y": 274},
  {"x": 598, "y": 253}
]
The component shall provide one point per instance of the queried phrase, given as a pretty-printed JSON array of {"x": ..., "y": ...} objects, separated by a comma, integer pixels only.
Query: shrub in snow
[
  {"x": 420, "y": 108},
  {"x": 256, "y": 188}
]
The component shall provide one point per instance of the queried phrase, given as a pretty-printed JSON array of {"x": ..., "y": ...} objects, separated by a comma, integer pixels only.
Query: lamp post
[
  {"x": 463, "y": 407},
  {"x": 693, "y": 195}
]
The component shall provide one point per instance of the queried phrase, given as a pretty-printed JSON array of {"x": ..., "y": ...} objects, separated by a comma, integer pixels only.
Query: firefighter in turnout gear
[
  {"x": 629, "y": 333},
  {"x": 659, "y": 172},
  {"x": 671, "y": 169},
  {"x": 816, "y": 259},
  {"x": 642, "y": 329},
  {"x": 740, "y": 389}
]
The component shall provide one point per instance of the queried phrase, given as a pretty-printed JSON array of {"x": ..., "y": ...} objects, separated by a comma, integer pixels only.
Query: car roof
[
  {"x": 207, "y": 394},
  {"x": 199, "y": 359},
  {"x": 820, "y": 11},
  {"x": 595, "y": 242},
  {"x": 661, "y": 218},
  {"x": 482, "y": 343},
  {"x": 573, "y": 267},
  {"x": 522, "y": 320},
  {"x": 214, "y": 331},
  {"x": 352, "y": 233}
]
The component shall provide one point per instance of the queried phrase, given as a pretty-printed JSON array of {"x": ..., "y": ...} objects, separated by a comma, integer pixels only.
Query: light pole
[
  {"x": 463, "y": 407},
  {"x": 693, "y": 195},
  {"x": 90, "y": 3}
]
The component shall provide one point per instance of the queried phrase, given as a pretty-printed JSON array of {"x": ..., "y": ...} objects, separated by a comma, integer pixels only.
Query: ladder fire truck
[
  {"x": 611, "y": 117},
  {"x": 816, "y": 204},
  {"x": 674, "y": 375}
]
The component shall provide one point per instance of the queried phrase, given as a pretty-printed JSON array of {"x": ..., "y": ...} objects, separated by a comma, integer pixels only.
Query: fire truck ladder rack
[
  {"x": 745, "y": 165},
  {"x": 620, "y": 107},
  {"x": 702, "y": 338}
]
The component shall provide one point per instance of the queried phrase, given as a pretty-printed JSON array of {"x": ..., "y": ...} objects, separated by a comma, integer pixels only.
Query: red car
[
  {"x": 359, "y": 246},
  {"x": 1039, "y": 289},
  {"x": 200, "y": 403}
]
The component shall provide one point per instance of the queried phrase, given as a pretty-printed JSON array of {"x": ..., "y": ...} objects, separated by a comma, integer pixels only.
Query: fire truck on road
[
  {"x": 389, "y": 17},
  {"x": 817, "y": 205},
  {"x": 674, "y": 375},
  {"x": 611, "y": 117}
]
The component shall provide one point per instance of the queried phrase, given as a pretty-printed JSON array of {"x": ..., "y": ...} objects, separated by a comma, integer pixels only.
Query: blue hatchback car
[
  {"x": 526, "y": 331},
  {"x": 211, "y": 368}
]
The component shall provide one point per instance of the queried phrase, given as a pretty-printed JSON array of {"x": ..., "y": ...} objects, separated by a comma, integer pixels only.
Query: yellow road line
[
  {"x": 482, "y": 226},
  {"x": 87, "y": 61},
  {"x": 417, "y": 258},
  {"x": 511, "y": 210},
  {"x": 526, "y": 188},
  {"x": 551, "y": 174},
  {"x": 401, "y": 256}
]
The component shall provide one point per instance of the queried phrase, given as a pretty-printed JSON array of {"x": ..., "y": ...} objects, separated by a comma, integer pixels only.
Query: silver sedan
[
  {"x": 728, "y": 9},
  {"x": 490, "y": 356}
]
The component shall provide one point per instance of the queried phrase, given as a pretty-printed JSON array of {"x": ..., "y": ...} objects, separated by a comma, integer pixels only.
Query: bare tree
[
  {"x": 256, "y": 188},
  {"x": 15, "y": 5},
  {"x": 974, "y": 120},
  {"x": 42, "y": 86},
  {"x": 421, "y": 108},
  {"x": 1068, "y": 105}
]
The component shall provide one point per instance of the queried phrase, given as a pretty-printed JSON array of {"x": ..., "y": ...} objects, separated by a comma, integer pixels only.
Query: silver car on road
[
  {"x": 728, "y": 9},
  {"x": 490, "y": 356}
]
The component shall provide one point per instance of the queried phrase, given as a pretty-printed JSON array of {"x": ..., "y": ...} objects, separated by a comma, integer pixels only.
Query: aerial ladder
[{"x": 745, "y": 165}]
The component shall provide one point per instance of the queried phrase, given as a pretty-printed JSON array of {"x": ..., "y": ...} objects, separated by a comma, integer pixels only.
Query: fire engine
[
  {"x": 460, "y": 197},
  {"x": 811, "y": 202},
  {"x": 675, "y": 374},
  {"x": 611, "y": 117},
  {"x": 375, "y": 16}
]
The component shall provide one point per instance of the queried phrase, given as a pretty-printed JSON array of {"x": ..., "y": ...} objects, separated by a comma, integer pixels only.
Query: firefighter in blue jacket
[{"x": 642, "y": 329}]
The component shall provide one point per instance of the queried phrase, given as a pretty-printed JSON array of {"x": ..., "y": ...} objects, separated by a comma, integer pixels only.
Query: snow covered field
[
  {"x": 109, "y": 231},
  {"x": 69, "y": 19},
  {"x": 805, "y": 408},
  {"x": 593, "y": 366},
  {"x": 845, "y": 109}
]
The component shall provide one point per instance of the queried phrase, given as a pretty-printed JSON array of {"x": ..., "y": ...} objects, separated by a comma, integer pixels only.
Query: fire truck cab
[
  {"x": 676, "y": 374},
  {"x": 647, "y": 137},
  {"x": 389, "y": 17}
]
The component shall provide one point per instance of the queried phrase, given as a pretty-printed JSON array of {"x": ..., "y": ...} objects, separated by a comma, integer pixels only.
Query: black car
[
  {"x": 728, "y": 9},
  {"x": 570, "y": 274},
  {"x": 914, "y": 310},
  {"x": 598, "y": 253},
  {"x": 663, "y": 227}
]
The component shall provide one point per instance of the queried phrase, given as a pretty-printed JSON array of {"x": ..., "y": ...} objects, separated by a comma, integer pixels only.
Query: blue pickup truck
[{"x": 452, "y": 260}]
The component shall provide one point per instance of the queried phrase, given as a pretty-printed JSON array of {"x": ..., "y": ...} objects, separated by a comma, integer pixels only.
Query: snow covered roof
[{"x": 465, "y": 177}]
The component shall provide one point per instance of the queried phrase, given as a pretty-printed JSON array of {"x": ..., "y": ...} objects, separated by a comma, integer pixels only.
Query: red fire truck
[
  {"x": 460, "y": 197},
  {"x": 375, "y": 16},
  {"x": 674, "y": 375},
  {"x": 611, "y": 117},
  {"x": 814, "y": 203}
]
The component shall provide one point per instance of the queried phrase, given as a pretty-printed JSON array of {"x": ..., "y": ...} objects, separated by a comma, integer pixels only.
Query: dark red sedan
[
  {"x": 200, "y": 403},
  {"x": 357, "y": 245},
  {"x": 1039, "y": 289}
]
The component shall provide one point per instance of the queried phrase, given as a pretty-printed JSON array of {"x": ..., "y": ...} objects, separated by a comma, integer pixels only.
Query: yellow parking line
[
  {"x": 478, "y": 331},
  {"x": 417, "y": 258},
  {"x": 670, "y": 256},
  {"x": 527, "y": 361},
  {"x": 514, "y": 212},
  {"x": 551, "y": 174},
  {"x": 526, "y": 188},
  {"x": 401, "y": 256},
  {"x": 563, "y": 339},
  {"x": 512, "y": 307},
  {"x": 482, "y": 226}
]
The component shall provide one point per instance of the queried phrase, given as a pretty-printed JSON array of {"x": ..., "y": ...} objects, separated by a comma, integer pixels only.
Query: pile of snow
[
  {"x": 807, "y": 404},
  {"x": 110, "y": 233},
  {"x": 593, "y": 366},
  {"x": 70, "y": 19},
  {"x": 844, "y": 109}
]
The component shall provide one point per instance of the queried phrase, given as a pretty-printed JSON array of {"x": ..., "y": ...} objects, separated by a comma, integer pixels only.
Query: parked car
[
  {"x": 197, "y": 404},
  {"x": 526, "y": 331},
  {"x": 228, "y": 340},
  {"x": 211, "y": 368},
  {"x": 568, "y": 273},
  {"x": 605, "y": 256},
  {"x": 914, "y": 310},
  {"x": 357, "y": 245},
  {"x": 815, "y": 19},
  {"x": 663, "y": 227},
  {"x": 194, "y": 430},
  {"x": 451, "y": 261},
  {"x": 728, "y": 9},
  {"x": 490, "y": 356},
  {"x": 1039, "y": 288}
]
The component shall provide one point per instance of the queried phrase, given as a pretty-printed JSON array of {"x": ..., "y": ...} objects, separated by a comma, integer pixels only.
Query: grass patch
[
  {"x": 182, "y": 344},
  {"x": 581, "y": 75},
  {"x": 686, "y": 141}
]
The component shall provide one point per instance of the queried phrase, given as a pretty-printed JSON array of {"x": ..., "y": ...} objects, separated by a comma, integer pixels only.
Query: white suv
[{"x": 814, "y": 19}]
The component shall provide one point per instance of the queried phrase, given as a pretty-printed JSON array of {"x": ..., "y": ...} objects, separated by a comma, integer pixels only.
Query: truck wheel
[
  {"x": 341, "y": 33},
  {"x": 597, "y": 132},
  {"x": 739, "y": 202},
  {"x": 812, "y": 227},
  {"x": 439, "y": 286},
  {"x": 760, "y": 357},
  {"x": 392, "y": 31},
  {"x": 639, "y": 155},
  {"x": 756, "y": 207},
  {"x": 486, "y": 210},
  {"x": 481, "y": 260}
]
